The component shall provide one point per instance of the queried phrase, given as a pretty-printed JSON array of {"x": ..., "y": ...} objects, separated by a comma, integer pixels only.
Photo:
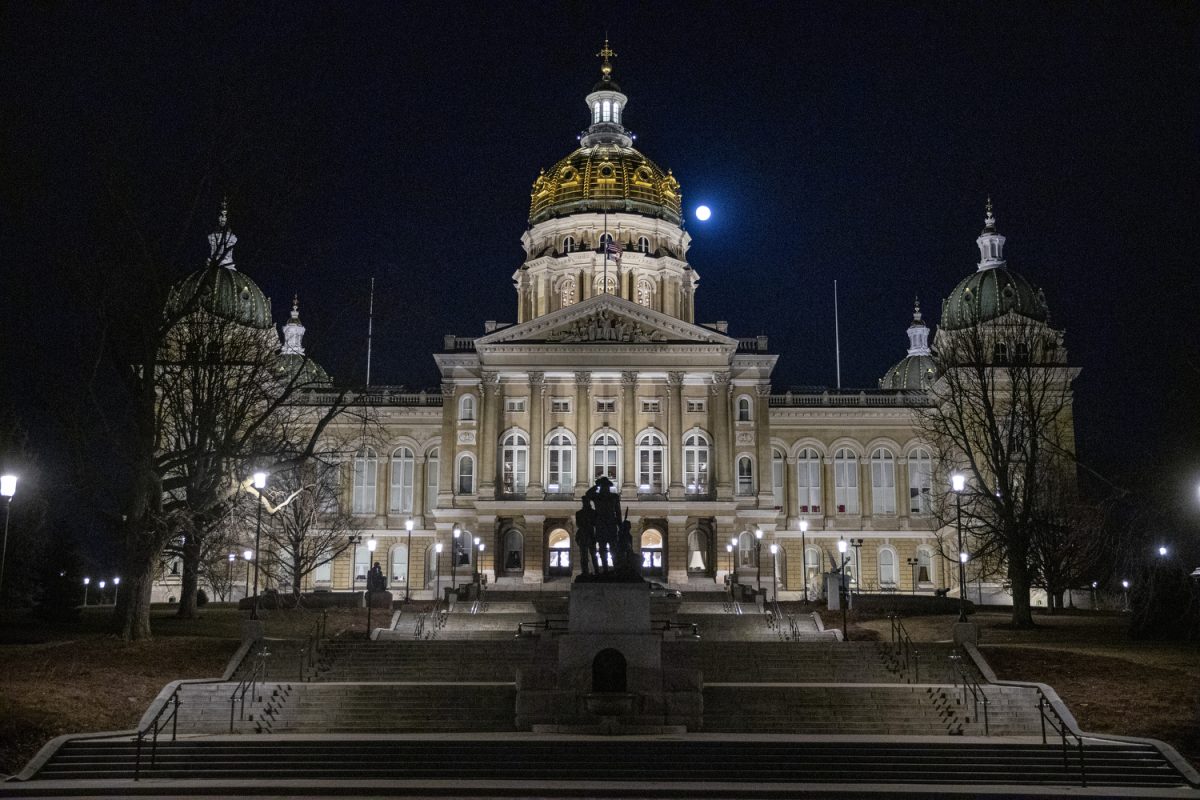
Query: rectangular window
[
  {"x": 514, "y": 404},
  {"x": 651, "y": 406},
  {"x": 560, "y": 405},
  {"x": 606, "y": 405},
  {"x": 695, "y": 406}
]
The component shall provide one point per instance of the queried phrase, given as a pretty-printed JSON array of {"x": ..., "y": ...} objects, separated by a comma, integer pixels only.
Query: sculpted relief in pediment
[{"x": 605, "y": 326}]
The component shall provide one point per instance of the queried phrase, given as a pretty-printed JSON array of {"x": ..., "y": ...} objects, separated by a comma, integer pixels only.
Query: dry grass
[{"x": 75, "y": 678}]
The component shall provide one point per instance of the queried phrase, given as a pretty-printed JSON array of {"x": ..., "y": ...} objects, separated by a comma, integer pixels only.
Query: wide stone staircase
[
  {"x": 559, "y": 767},
  {"x": 433, "y": 660}
]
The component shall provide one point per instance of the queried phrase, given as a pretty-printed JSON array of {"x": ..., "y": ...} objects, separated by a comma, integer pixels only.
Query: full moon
[{"x": 703, "y": 213}]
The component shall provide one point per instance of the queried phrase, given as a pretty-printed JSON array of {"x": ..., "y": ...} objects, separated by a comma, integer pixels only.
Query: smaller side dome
[
  {"x": 295, "y": 367},
  {"x": 915, "y": 372}
]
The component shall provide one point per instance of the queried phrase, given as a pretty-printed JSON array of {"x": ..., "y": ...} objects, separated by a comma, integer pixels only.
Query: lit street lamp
[
  {"x": 408, "y": 525},
  {"x": 958, "y": 482},
  {"x": 479, "y": 570},
  {"x": 804, "y": 559},
  {"x": 8, "y": 488},
  {"x": 843, "y": 593},
  {"x": 229, "y": 574},
  {"x": 1094, "y": 584},
  {"x": 437, "y": 582},
  {"x": 86, "y": 581},
  {"x": 1125, "y": 593},
  {"x": 116, "y": 589},
  {"x": 733, "y": 564},
  {"x": 729, "y": 550},
  {"x": 454, "y": 548},
  {"x": 758, "y": 534},
  {"x": 260, "y": 483},
  {"x": 476, "y": 577},
  {"x": 102, "y": 584},
  {"x": 247, "y": 556},
  {"x": 775, "y": 570}
]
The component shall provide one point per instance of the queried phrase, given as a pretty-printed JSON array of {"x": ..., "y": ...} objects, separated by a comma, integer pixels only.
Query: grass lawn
[
  {"x": 1111, "y": 684},
  {"x": 75, "y": 678}
]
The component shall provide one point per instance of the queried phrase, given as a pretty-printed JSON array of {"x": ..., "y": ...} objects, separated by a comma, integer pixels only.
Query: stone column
[
  {"x": 449, "y": 446},
  {"x": 762, "y": 442},
  {"x": 722, "y": 459},
  {"x": 628, "y": 420},
  {"x": 537, "y": 434},
  {"x": 419, "y": 489},
  {"x": 583, "y": 431},
  {"x": 865, "y": 492},
  {"x": 791, "y": 498},
  {"x": 675, "y": 433},
  {"x": 828, "y": 495},
  {"x": 490, "y": 399}
]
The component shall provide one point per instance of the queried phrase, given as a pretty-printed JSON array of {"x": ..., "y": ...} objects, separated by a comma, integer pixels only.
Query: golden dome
[{"x": 605, "y": 176}]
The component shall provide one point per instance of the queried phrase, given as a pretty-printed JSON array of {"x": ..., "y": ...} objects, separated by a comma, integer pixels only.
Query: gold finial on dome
[{"x": 607, "y": 54}]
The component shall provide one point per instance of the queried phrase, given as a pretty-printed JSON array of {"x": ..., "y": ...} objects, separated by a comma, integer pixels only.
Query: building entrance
[
  {"x": 652, "y": 553},
  {"x": 559, "y": 563}
]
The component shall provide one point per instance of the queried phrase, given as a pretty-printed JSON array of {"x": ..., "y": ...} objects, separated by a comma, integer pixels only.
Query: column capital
[
  {"x": 629, "y": 377},
  {"x": 489, "y": 381},
  {"x": 720, "y": 378},
  {"x": 675, "y": 379},
  {"x": 537, "y": 378},
  {"x": 583, "y": 378},
  {"x": 763, "y": 389},
  {"x": 447, "y": 390}
]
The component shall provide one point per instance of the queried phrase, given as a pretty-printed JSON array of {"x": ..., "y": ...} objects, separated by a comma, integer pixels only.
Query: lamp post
[
  {"x": 804, "y": 559},
  {"x": 116, "y": 589},
  {"x": 843, "y": 593},
  {"x": 958, "y": 482},
  {"x": 8, "y": 488},
  {"x": 371, "y": 545},
  {"x": 247, "y": 556},
  {"x": 758, "y": 534},
  {"x": 454, "y": 546},
  {"x": 1125, "y": 593},
  {"x": 260, "y": 483},
  {"x": 729, "y": 550},
  {"x": 229, "y": 574},
  {"x": 775, "y": 570},
  {"x": 733, "y": 544},
  {"x": 482, "y": 546},
  {"x": 475, "y": 574},
  {"x": 437, "y": 582},
  {"x": 857, "y": 545},
  {"x": 86, "y": 581},
  {"x": 1094, "y": 585},
  {"x": 912, "y": 563},
  {"x": 408, "y": 526},
  {"x": 102, "y": 585}
]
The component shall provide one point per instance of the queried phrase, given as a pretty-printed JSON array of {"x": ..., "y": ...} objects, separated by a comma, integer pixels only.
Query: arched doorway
[
  {"x": 699, "y": 554},
  {"x": 652, "y": 552},
  {"x": 513, "y": 553},
  {"x": 609, "y": 671},
  {"x": 559, "y": 563}
]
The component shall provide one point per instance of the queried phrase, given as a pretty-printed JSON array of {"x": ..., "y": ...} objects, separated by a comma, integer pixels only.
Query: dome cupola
[
  {"x": 993, "y": 290},
  {"x": 915, "y": 372},
  {"x": 293, "y": 364}
]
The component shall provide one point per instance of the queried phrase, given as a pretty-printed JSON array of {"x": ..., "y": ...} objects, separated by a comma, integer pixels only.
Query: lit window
[
  {"x": 616, "y": 111},
  {"x": 924, "y": 566},
  {"x": 920, "y": 482},
  {"x": 845, "y": 481},
  {"x": 808, "y": 481},
  {"x": 650, "y": 452},
  {"x": 514, "y": 456},
  {"x": 606, "y": 284},
  {"x": 606, "y": 115},
  {"x": 606, "y": 455},
  {"x": 566, "y": 293},
  {"x": 695, "y": 464},
  {"x": 645, "y": 293},
  {"x": 560, "y": 463},
  {"x": 400, "y": 498},
  {"x": 365, "y": 466},
  {"x": 745, "y": 476},
  {"x": 883, "y": 482},
  {"x": 887, "y": 567},
  {"x": 746, "y": 552},
  {"x": 362, "y": 563},
  {"x": 399, "y": 572},
  {"x": 596, "y": 111}
]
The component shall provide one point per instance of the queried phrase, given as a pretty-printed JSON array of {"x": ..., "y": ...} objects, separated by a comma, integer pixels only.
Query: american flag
[{"x": 614, "y": 249}]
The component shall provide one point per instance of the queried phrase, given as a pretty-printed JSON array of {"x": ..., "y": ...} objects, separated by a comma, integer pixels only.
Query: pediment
[{"x": 605, "y": 320}]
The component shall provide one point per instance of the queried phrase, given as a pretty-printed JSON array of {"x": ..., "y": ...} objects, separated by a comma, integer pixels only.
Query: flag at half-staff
[{"x": 614, "y": 249}]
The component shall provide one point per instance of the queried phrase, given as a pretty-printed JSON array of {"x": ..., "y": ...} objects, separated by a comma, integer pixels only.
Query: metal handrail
[
  {"x": 541, "y": 625},
  {"x": 246, "y": 684},
  {"x": 1060, "y": 727},
  {"x": 970, "y": 684},
  {"x": 662, "y": 626},
  {"x": 312, "y": 646},
  {"x": 905, "y": 647},
  {"x": 152, "y": 730}
]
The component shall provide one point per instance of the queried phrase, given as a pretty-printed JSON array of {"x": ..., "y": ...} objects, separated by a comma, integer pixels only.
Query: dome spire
[
  {"x": 222, "y": 240},
  {"x": 607, "y": 55},
  {"x": 991, "y": 243},
  {"x": 293, "y": 332},
  {"x": 918, "y": 332}
]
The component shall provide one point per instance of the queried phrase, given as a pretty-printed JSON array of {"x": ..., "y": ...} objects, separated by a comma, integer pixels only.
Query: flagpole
[
  {"x": 370, "y": 329},
  {"x": 837, "y": 338},
  {"x": 602, "y": 239}
]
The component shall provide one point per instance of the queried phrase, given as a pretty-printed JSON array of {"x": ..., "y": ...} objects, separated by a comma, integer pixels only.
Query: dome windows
[
  {"x": 568, "y": 244},
  {"x": 566, "y": 293},
  {"x": 645, "y": 293},
  {"x": 643, "y": 244}
]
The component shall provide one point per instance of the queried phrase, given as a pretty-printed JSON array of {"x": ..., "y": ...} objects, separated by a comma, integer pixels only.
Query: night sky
[{"x": 846, "y": 141}]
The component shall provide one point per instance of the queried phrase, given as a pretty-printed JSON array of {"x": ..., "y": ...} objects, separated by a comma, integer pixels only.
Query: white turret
[
  {"x": 918, "y": 332},
  {"x": 293, "y": 332},
  {"x": 991, "y": 244},
  {"x": 222, "y": 240}
]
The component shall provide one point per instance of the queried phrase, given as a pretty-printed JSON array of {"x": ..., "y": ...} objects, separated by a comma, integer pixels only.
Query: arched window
[
  {"x": 652, "y": 554},
  {"x": 568, "y": 244},
  {"x": 645, "y": 293},
  {"x": 888, "y": 574},
  {"x": 605, "y": 240},
  {"x": 399, "y": 571},
  {"x": 606, "y": 284},
  {"x": 514, "y": 551},
  {"x": 362, "y": 563},
  {"x": 606, "y": 457},
  {"x": 808, "y": 481},
  {"x": 566, "y": 292},
  {"x": 746, "y": 550},
  {"x": 1000, "y": 353},
  {"x": 514, "y": 458},
  {"x": 920, "y": 482},
  {"x": 560, "y": 552},
  {"x": 466, "y": 407},
  {"x": 400, "y": 498},
  {"x": 650, "y": 455},
  {"x": 924, "y": 566},
  {"x": 596, "y": 111},
  {"x": 778, "y": 473},
  {"x": 845, "y": 481},
  {"x": 466, "y": 474},
  {"x": 431, "y": 479},
  {"x": 743, "y": 409},
  {"x": 883, "y": 482},
  {"x": 560, "y": 462},
  {"x": 365, "y": 467},
  {"x": 643, "y": 244},
  {"x": 745, "y": 476},
  {"x": 606, "y": 114},
  {"x": 697, "y": 561},
  {"x": 616, "y": 110},
  {"x": 696, "y": 454},
  {"x": 323, "y": 575},
  {"x": 812, "y": 571}
]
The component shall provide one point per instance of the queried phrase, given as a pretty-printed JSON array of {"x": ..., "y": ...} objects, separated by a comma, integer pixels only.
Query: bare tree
[{"x": 1001, "y": 414}]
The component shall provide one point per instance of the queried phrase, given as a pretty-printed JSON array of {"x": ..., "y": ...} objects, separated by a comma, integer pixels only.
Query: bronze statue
[{"x": 604, "y": 538}]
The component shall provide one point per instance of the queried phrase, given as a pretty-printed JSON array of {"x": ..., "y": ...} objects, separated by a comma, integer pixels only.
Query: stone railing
[
  {"x": 752, "y": 344},
  {"x": 452, "y": 343},
  {"x": 862, "y": 398},
  {"x": 378, "y": 396}
]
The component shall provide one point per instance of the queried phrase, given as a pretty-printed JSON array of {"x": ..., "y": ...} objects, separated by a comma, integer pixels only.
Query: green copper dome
[
  {"x": 913, "y": 373},
  {"x": 300, "y": 371},
  {"x": 224, "y": 292},
  {"x": 989, "y": 294}
]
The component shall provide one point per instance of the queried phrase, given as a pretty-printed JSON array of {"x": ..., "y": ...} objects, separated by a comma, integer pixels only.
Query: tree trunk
[
  {"x": 131, "y": 615},
  {"x": 190, "y": 581},
  {"x": 1018, "y": 578},
  {"x": 296, "y": 575}
]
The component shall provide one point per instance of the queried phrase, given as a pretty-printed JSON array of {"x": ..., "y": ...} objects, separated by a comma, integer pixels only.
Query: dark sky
[{"x": 845, "y": 141}]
